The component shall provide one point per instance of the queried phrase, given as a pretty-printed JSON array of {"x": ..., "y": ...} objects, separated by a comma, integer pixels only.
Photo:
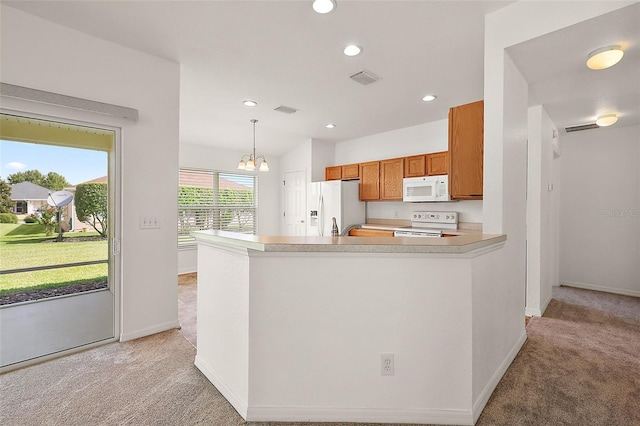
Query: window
[{"x": 216, "y": 200}]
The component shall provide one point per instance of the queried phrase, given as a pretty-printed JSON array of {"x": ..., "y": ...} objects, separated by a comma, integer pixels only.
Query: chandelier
[{"x": 251, "y": 159}]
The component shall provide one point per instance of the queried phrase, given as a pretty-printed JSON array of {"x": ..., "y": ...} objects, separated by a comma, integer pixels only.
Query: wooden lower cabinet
[
  {"x": 391, "y": 175},
  {"x": 370, "y": 181},
  {"x": 370, "y": 233}
]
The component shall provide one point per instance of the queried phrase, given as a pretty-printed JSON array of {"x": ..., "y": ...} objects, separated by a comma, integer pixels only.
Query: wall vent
[
  {"x": 581, "y": 127},
  {"x": 286, "y": 109},
  {"x": 364, "y": 77}
]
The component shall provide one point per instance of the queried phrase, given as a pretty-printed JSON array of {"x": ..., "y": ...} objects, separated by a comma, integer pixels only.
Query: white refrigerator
[{"x": 334, "y": 198}]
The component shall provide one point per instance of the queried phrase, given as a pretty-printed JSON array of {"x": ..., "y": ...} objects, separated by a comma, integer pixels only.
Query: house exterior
[{"x": 28, "y": 198}]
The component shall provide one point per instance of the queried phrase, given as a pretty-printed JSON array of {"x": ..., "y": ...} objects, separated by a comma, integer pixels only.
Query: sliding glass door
[{"x": 58, "y": 252}]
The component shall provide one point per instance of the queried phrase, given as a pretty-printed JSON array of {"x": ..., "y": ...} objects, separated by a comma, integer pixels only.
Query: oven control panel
[{"x": 435, "y": 217}]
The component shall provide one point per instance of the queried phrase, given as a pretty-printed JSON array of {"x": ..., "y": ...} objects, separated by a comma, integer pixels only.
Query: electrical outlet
[{"x": 386, "y": 364}]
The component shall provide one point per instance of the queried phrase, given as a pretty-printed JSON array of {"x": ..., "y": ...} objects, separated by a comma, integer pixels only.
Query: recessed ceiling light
[
  {"x": 606, "y": 120},
  {"x": 352, "y": 50},
  {"x": 250, "y": 103},
  {"x": 604, "y": 57},
  {"x": 429, "y": 98},
  {"x": 330, "y": 126},
  {"x": 324, "y": 6}
]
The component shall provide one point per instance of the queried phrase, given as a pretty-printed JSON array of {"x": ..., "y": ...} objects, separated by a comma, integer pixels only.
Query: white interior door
[
  {"x": 47, "y": 323},
  {"x": 295, "y": 185}
]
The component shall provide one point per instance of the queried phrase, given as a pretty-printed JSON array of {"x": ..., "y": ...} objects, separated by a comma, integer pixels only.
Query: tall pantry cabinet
[{"x": 466, "y": 151}]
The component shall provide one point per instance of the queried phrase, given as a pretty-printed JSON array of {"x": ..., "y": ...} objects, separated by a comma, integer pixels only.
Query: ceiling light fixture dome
[
  {"x": 251, "y": 162},
  {"x": 330, "y": 126},
  {"x": 429, "y": 98},
  {"x": 606, "y": 120},
  {"x": 352, "y": 50},
  {"x": 604, "y": 57},
  {"x": 324, "y": 6},
  {"x": 250, "y": 103}
]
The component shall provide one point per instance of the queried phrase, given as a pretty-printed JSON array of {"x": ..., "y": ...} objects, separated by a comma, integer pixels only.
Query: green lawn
[{"x": 25, "y": 245}]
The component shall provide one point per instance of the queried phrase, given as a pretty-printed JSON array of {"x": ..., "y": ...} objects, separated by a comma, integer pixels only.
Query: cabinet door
[
  {"x": 466, "y": 151},
  {"x": 437, "y": 163},
  {"x": 370, "y": 181},
  {"x": 415, "y": 166},
  {"x": 350, "y": 171},
  {"x": 333, "y": 173},
  {"x": 391, "y": 174}
]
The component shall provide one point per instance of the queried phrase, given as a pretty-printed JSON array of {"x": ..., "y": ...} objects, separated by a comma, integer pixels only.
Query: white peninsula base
[{"x": 298, "y": 336}]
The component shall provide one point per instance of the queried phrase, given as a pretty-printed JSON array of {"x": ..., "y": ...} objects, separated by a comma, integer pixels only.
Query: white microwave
[{"x": 426, "y": 189}]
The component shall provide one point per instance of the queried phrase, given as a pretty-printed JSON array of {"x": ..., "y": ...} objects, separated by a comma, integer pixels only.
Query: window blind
[{"x": 210, "y": 199}]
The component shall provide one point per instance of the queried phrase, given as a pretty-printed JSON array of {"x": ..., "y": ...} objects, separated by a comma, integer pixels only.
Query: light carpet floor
[{"x": 579, "y": 366}]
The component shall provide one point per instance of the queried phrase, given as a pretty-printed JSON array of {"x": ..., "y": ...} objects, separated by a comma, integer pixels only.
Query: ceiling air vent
[
  {"x": 581, "y": 127},
  {"x": 286, "y": 109},
  {"x": 364, "y": 77}
]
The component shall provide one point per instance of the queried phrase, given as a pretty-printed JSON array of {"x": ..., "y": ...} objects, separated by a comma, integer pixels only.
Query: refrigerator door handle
[{"x": 321, "y": 216}]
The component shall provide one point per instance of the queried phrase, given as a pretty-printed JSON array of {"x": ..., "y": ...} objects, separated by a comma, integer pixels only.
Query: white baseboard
[
  {"x": 124, "y": 337},
  {"x": 614, "y": 290},
  {"x": 545, "y": 305},
  {"x": 186, "y": 270},
  {"x": 210, "y": 373},
  {"x": 359, "y": 415},
  {"x": 482, "y": 400}
]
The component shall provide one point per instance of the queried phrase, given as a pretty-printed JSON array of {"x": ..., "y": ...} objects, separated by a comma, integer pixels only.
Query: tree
[
  {"x": 92, "y": 205},
  {"x": 55, "y": 181},
  {"x": 47, "y": 217},
  {"x": 33, "y": 176},
  {"x": 5, "y": 197},
  {"x": 52, "y": 180}
]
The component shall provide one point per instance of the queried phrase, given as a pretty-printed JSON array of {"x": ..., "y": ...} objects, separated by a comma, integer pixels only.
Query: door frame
[{"x": 61, "y": 114}]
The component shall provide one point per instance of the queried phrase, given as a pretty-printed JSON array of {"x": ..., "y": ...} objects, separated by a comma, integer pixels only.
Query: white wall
[
  {"x": 269, "y": 190},
  {"x": 421, "y": 139},
  {"x": 542, "y": 212},
  {"x": 600, "y": 210},
  {"x": 46, "y": 56}
]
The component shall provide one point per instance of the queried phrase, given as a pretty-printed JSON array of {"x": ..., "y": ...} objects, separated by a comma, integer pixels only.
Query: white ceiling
[
  {"x": 283, "y": 53},
  {"x": 572, "y": 94}
]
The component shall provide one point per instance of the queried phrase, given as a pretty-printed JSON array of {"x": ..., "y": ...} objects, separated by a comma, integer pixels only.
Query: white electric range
[{"x": 429, "y": 224}]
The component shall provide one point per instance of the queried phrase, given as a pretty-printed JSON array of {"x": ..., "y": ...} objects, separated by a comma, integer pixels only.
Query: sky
[{"x": 76, "y": 165}]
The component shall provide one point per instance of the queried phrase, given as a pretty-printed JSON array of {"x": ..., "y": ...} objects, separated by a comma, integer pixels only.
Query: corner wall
[
  {"x": 600, "y": 210},
  {"x": 42, "y": 55},
  {"x": 543, "y": 187}
]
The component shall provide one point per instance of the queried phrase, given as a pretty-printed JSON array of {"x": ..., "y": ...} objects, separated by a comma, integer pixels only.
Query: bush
[
  {"x": 8, "y": 218},
  {"x": 30, "y": 219}
]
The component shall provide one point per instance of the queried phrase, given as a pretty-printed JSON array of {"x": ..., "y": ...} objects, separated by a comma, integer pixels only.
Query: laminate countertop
[{"x": 459, "y": 244}]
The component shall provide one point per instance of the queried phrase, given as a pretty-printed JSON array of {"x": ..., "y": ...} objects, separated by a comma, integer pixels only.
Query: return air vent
[
  {"x": 364, "y": 77},
  {"x": 286, "y": 109},
  {"x": 581, "y": 127}
]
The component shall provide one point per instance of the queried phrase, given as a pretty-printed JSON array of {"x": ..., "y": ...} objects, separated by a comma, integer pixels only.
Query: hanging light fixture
[{"x": 251, "y": 159}]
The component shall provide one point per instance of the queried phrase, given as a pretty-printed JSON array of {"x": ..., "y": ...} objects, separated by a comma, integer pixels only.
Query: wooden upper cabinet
[
  {"x": 415, "y": 166},
  {"x": 351, "y": 171},
  {"x": 437, "y": 163},
  {"x": 391, "y": 174},
  {"x": 370, "y": 181},
  {"x": 333, "y": 173},
  {"x": 466, "y": 151}
]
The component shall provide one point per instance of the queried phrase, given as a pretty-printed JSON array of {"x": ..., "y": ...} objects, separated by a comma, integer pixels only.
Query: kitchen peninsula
[{"x": 295, "y": 328}]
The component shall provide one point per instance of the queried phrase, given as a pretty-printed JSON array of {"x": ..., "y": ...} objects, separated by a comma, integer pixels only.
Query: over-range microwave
[{"x": 426, "y": 189}]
